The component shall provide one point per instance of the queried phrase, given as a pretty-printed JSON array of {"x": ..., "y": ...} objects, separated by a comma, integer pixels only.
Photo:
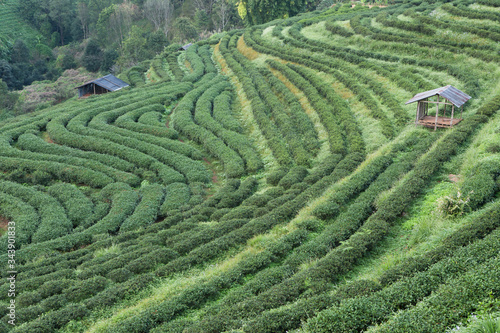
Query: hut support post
[
  {"x": 452, "y": 112},
  {"x": 419, "y": 105},
  {"x": 461, "y": 110},
  {"x": 437, "y": 113}
]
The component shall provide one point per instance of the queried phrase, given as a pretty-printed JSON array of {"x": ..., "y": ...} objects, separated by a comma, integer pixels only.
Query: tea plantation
[{"x": 272, "y": 180}]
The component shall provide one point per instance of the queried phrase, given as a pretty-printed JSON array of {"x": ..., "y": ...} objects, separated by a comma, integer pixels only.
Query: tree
[
  {"x": 205, "y": 6},
  {"x": 222, "y": 15},
  {"x": 109, "y": 58},
  {"x": 60, "y": 12},
  {"x": 20, "y": 52},
  {"x": 185, "y": 28},
  {"x": 7, "y": 99},
  {"x": 134, "y": 48},
  {"x": 121, "y": 21},
  {"x": 92, "y": 56},
  {"x": 157, "y": 42},
  {"x": 114, "y": 24},
  {"x": 7, "y": 75},
  {"x": 261, "y": 11},
  {"x": 84, "y": 17},
  {"x": 202, "y": 20},
  {"x": 68, "y": 62},
  {"x": 160, "y": 13}
]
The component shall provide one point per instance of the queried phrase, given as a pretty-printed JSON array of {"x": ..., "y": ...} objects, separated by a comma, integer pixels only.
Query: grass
[
  {"x": 486, "y": 144},
  {"x": 476, "y": 6},
  {"x": 113, "y": 249},
  {"x": 420, "y": 230}
]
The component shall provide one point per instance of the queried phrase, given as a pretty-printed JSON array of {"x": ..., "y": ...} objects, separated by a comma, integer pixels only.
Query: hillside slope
[
  {"x": 269, "y": 181},
  {"x": 13, "y": 27}
]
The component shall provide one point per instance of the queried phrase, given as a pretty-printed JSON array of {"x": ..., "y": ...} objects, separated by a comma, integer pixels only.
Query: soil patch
[{"x": 4, "y": 223}]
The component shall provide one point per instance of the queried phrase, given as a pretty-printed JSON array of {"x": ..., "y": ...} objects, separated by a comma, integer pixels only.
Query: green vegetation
[{"x": 269, "y": 179}]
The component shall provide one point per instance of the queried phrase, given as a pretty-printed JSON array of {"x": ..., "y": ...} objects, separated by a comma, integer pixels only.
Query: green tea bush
[
  {"x": 219, "y": 213},
  {"x": 85, "y": 288},
  {"x": 222, "y": 111},
  {"x": 274, "y": 177},
  {"x": 471, "y": 13},
  {"x": 147, "y": 210},
  {"x": 119, "y": 291},
  {"x": 34, "y": 143},
  {"x": 197, "y": 65},
  {"x": 183, "y": 121},
  {"x": 404, "y": 25},
  {"x": 174, "y": 66},
  {"x": 324, "y": 111},
  {"x": 324, "y": 168},
  {"x": 357, "y": 183},
  {"x": 462, "y": 294},
  {"x": 54, "y": 320},
  {"x": 261, "y": 224},
  {"x": 476, "y": 229},
  {"x": 157, "y": 66},
  {"x": 123, "y": 204},
  {"x": 301, "y": 121},
  {"x": 199, "y": 294},
  {"x": 28, "y": 298},
  {"x": 137, "y": 121},
  {"x": 205, "y": 53},
  {"x": 53, "y": 220},
  {"x": 24, "y": 215},
  {"x": 205, "y": 106},
  {"x": 245, "y": 190},
  {"x": 284, "y": 123},
  {"x": 135, "y": 76},
  {"x": 367, "y": 310},
  {"x": 150, "y": 118},
  {"x": 177, "y": 194},
  {"x": 275, "y": 142},
  {"x": 337, "y": 29},
  {"x": 190, "y": 240},
  {"x": 492, "y": 3},
  {"x": 60, "y": 134},
  {"x": 53, "y": 303},
  {"x": 295, "y": 175},
  {"x": 78, "y": 207},
  {"x": 279, "y": 320}
]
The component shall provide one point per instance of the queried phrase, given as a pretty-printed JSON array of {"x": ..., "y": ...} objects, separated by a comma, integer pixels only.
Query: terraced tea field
[
  {"x": 13, "y": 27},
  {"x": 272, "y": 180}
]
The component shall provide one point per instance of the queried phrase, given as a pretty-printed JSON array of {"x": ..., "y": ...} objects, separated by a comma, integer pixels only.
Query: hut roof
[
  {"x": 449, "y": 92},
  {"x": 109, "y": 82},
  {"x": 185, "y": 47}
]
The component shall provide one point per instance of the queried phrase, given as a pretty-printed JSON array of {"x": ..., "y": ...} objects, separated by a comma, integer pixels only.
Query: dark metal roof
[
  {"x": 109, "y": 82},
  {"x": 449, "y": 92},
  {"x": 185, "y": 47}
]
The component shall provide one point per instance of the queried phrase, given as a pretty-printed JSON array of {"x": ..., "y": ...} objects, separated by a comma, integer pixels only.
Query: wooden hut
[
  {"x": 445, "y": 96},
  {"x": 101, "y": 85}
]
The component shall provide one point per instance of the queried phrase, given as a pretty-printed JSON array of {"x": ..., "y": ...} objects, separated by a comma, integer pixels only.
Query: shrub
[{"x": 177, "y": 194}]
